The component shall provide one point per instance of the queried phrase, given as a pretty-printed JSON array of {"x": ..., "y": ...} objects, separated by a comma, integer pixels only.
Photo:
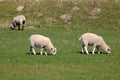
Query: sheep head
[
  {"x": 53, "y": 51},
  {"x": 107, "y": 50},
  {"x": 12, "y": 27}
]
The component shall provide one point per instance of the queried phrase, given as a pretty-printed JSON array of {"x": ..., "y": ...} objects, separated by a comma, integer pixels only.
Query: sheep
[
  {"x": 43, "y": 42},
  {"x": 18, "y": 21},
  {"x": 91, "y": 39}
]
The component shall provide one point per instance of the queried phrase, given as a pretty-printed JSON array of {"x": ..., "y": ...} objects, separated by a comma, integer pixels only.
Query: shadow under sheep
[
  {"x": 37, "y": 54},
  {"x": 80, "y": 52}
]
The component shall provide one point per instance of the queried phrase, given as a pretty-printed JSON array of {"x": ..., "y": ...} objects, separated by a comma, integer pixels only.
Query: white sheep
[
  {"x": 43, "y": 42},
  {"x": 95, "y": 41},
  {"x": 18, "y": 21}
]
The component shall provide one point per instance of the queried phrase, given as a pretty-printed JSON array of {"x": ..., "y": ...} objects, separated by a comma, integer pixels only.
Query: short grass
[{"x": 68, "y": 63}]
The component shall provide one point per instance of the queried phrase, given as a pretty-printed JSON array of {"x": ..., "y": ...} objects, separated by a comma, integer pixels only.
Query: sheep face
[
  {"x": 53, "y": 51},
  {"x": 12, "y": 27},
  {"x": 107, "y": 50}
]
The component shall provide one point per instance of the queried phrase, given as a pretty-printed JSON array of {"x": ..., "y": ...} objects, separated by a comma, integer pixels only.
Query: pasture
[{"x": 69, "y": 63}]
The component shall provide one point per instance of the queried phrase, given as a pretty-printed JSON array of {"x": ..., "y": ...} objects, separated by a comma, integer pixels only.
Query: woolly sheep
[
  {"x": 95, "y": 41},
  {"x": 18, "y": 21},
  {"x": 43, "y": 42}
]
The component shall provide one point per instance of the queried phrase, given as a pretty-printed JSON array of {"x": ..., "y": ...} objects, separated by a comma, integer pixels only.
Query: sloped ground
[
  {"x": 46, "y": 13},
  {"x": 68, "y": 63}
]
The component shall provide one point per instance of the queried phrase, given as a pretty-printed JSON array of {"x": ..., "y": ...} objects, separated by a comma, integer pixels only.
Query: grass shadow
[
  {"x": 80, "y": 52},
  {"x": 36, "y": 54}
]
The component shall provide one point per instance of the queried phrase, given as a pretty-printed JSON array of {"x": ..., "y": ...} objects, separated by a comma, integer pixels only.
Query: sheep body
[
  {"x": 95, "y": 41},
  {"x": 43, "y": 42},
  {"x": 18, "y": 21}
]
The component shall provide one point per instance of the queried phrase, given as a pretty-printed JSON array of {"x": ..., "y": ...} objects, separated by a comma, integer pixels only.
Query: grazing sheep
[
  {"x": 43, "y": 42},
  {"x": 95, "y": 41},
  {"x": 18, "y": 21}
]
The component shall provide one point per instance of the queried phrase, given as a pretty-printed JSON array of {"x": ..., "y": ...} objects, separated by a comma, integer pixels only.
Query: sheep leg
[
  {"x": 98, "y": 50},
  {"x": 85, "y": 47},
  {"x": 23, "y": 27},
  {"x": 18, "y": 27},
  {"x": 30, "y": 50},
  {"x": 13, "y": 26},
  {"x": 41, "y": 51},
  {"x": 93, "y": 52},
  {"x": 83, "y": 50},
  {"x": 33, "y": 50},
  {"x": 45, "y": 53}
]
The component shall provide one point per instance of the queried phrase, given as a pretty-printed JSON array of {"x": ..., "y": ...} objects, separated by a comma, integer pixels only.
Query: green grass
[{"x": 68, "y": 63}]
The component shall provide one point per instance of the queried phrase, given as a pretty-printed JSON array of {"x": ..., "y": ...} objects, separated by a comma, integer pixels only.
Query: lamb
[
  {"x": 91, "y": 39},
  {"x": 43, "y": 42},
  {"x": 18, "y": 21}
]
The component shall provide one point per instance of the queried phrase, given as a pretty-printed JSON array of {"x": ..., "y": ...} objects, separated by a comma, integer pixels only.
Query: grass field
[{"x": 68, "y": 63}]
